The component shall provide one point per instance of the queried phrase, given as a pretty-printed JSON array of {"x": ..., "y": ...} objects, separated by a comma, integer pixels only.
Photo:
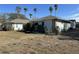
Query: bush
[
  {"x": 40, "y": 29},
  {"x": 70, "y": 29},
  {"x": 4, "y": 28},
  {"x": 34, "y": 28},
  {"x": 27, "y": 27}
]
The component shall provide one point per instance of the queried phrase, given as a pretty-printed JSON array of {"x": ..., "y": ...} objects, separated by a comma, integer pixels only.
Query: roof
[
  {"x": 20, "y": 21},
  {"x": 12, "y": 16},
  {"x": 66, "y": 21},
  {"x": 48, "y": 18},
  {"x": 53, "y": 18},
  {"x": 43, "y": 18}
]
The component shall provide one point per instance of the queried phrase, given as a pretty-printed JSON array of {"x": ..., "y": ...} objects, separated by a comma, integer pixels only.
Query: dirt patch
[{"x": 12, "y": 42}]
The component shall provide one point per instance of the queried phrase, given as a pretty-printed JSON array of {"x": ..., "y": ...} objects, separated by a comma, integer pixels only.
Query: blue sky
[{"x": 65, "y": 11}]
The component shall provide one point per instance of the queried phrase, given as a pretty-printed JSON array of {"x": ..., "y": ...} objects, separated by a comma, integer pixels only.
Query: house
[
  {"x": 73, "y": 24},
  {"x": 51, "y": 22},
  {"x": 77, "y": 25},
  {"x": 16, "y": 24},
  {"x": 1, "y": 22}
]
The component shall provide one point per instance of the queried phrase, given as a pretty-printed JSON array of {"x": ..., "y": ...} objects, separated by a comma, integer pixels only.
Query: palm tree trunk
[
  {"x": 55, "y": 13},
  {"x": 18, "y": 16},
  {"x": 51, "y": 13}
]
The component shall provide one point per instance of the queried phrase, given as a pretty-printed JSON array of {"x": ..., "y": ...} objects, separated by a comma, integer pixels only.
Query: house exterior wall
[
  {"x": 67, "y": 26},
  {"x": 0, "y": 26},
  {"x": 63, "y": 26},
  {"x": 17, "y": 26},
  {"x": 48, "y": 26},
  {"x": 60, "y": 25},
  {"x": 73, "y": 24}
]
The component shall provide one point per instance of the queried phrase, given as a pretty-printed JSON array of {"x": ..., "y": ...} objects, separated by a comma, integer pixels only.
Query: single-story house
[
  {"x": 51, "y": 22},
  {"x": 77, "y": 25},
  {"x": 15, "y": 24},
  {"x": 1, "y": 22},
  {"x": 73, "y": 24}
]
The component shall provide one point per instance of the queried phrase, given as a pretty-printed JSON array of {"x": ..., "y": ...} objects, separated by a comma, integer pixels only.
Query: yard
[{"x": 12, "y": 42}]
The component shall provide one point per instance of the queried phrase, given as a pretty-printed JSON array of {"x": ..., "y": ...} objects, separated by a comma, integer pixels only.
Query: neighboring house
[
  {"x": 51, "y": 22},
  {"x": 77, "y": 25},
  {"x": 1, "y": 22},
  {"x": 73, "y": 24},
  {"x": 16, "y": 24}
]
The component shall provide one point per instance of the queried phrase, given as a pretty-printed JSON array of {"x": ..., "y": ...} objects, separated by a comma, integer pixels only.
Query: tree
[
  {"x": 18, "y": 10},
  {"x": 25, "y": 10},
  {"x": 30, "y": 15},
  {"x": 12, "y": 16},
  {"x": 35, "y": 10},
  {"x": 56, "y": 8},
  {"x": 50, "y": 10}
]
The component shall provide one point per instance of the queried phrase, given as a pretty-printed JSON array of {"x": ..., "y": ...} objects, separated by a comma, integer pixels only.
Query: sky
[{"x": 65, "y": 11}]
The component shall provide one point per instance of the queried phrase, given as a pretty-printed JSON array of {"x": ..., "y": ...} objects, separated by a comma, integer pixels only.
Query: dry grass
[{"x": 18, "y": 42}]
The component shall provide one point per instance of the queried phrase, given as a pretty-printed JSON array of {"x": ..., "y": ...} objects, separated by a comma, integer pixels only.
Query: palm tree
[
  {"x": 25, "y": 10},
  {"x": 30, "y": 15},
  {"x": 35, "y": 10},
  {"x": 50, "y": 10},
  {"x": 56, "y": 8},
  {"x": 18, "y": 10}
]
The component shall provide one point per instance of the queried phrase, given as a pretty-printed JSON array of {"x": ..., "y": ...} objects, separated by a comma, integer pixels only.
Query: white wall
[
  {"x": 17, "y": 26},
  {"x": 60, "y": 25},
  {"x": 68, "y": 25}
]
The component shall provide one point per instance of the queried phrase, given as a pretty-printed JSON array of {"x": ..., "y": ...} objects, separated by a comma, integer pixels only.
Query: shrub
[
  {"x": 70, "y": 29},
  {"x": 40, "y": 29},
  {"x": 4, "y": 28},
  {"x": 27, "y": 27},
  {"x": 34, "y": 28}
]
